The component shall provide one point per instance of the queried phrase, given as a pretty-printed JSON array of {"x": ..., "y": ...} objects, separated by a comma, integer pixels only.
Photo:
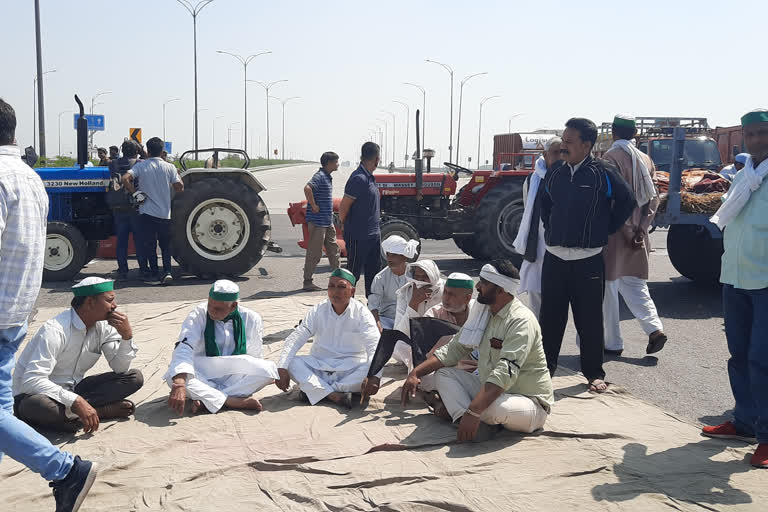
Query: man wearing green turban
[{"x": 217, "y": 361}]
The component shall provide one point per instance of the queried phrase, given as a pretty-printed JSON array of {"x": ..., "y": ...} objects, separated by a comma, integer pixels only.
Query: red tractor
[{"x": 482, "y": 218}]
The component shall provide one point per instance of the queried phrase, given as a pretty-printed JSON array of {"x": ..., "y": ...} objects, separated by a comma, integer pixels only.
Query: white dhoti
[
  {"x": 217, "y": 378},
  {"x": 637, "y": 298},
  {"x": 517, "y": 413},
  {"x": 318, "y": 383}
]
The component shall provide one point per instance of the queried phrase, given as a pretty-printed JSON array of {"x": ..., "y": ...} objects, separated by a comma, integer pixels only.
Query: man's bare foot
[
  {"x": 342, "y": 399},
  {"x": 236, "y": 402},
  {"x": 120, "y": 409},
  {"x": 598, "y": 386}
]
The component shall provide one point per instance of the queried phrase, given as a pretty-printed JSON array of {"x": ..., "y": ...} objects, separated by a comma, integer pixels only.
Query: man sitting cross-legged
[
  {"x": 217, "y": 361},
  {"x": 513, "y": 388},
  {"x": 345, "y": 337},
  {"x": 48, "y": 385}
]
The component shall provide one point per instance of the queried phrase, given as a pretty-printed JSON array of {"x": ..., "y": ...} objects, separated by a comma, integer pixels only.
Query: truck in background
[
  {"x": 729, "y": 142},
  {"x": 518, "y": 151}
]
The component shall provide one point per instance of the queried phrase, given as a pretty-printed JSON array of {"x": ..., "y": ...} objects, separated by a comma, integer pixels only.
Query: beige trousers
[{"x": 319, "y": 237}]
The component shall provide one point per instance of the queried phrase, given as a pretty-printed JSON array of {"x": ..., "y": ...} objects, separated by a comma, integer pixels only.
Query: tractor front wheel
[
  {"x": 497, "y": 221},
  {"x": 401, "y": 228},
  {"x": 66, "y": 252}
]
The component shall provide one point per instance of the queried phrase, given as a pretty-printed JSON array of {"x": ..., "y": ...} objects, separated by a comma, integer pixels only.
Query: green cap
[
  {"x": 459, "y": 280},
  {"x": 344, "y": 274},
  {"x": 92, "y": 286},
  {"x": 759, "y": 115},
  {"x": 624, "y": 120}
]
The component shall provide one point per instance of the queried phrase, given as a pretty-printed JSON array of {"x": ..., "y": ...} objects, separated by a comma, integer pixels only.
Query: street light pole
[
  {"x": 244, "y": 61},
  {"x": 394, "y": 145},
  {"x": 283, "y": 102},
  {"x": 34, "y": 108},
  {"x": 267, "y": 86},
  {"x": 164, "y": 104},
  {"x": 194, "y": 10},
  {"x": 60, "y": 114},
  {"x": 407, "y": 128},
  {"x": 40, "y": 102},
  {"x": 213, "y": 131},
  {"x": 423, "y": 111},
  {"x": 461, "y": 94},
  {"x": 384, "y": 139},
  {"x": 509, "y": 122},
  {"x": 93, "y": 104},
  {"x": 450, "y": 142},
  {"x": 480, "y": 126},
  {"x": 229, "y": 133}
]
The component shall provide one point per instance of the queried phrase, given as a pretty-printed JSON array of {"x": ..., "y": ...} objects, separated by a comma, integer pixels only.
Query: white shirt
[
  {"x": 23, "y": 218},
  {"x": 574, "y": 253},
  {"x": 156, "y": 177},
  {"x": 383, "y": 297},
  {"x": 57, "y": 357},
  {"x": 192, "y": 338},
  {"x": 341, "y": 342}
]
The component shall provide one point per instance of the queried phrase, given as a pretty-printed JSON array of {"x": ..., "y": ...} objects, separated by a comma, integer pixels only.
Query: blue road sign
[
  {"x": 168, "y": 147},
  {"x": 95, "y": 122}
]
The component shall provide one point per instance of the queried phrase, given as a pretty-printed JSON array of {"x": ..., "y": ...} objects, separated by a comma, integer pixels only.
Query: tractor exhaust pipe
[
  {"x": 82, "y": 136},
  {"x": 418, "y": 163}
]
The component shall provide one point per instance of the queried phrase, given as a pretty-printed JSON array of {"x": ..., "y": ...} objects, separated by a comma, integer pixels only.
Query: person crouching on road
[
  {"x": 48, "y": 385},
  {"x": 360, "y": 215},
  {"x": 513, "y": 387},
  {"x": 322, "y": 232},
  {"x": 745, "y": 291},
  {"x": 218, "y": 361},
  {"x": 157, "y": 178}
]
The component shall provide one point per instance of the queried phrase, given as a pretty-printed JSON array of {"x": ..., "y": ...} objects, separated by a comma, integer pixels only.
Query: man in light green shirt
[
  {"x": 513, "y": 387},
  {"x": 744, "y": 274}
]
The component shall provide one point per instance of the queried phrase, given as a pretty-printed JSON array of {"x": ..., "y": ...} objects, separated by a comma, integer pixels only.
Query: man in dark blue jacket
[{"x": 585, "y": 200}]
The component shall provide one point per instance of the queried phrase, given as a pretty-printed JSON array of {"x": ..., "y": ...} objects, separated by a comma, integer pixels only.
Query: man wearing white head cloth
[
  {"x": 49, "y": 387},
  {"x": 217, "y": 361},
  {"x": 382, "y": 301},
  {"x": 513, "y": 387}
]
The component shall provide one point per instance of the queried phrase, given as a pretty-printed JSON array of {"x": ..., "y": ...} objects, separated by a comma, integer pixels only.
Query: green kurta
[{"x": 519, "y": 366}]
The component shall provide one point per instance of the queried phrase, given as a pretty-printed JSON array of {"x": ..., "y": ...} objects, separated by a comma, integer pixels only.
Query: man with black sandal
[{"x": 48, "y": 385}]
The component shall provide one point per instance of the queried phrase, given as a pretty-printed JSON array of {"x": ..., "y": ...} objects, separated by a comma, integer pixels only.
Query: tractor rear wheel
[
  {"x": 220, "y": 227},
  {"x": 400, "y": 228},
  {"x": 497, "y": 220},
  {"x": 469, "y": 246},
  {"x": 65, "y": 252},
  {"x": 694, "y": 253}
]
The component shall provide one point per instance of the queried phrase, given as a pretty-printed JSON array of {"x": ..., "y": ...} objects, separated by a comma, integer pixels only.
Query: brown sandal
[{"x": 116, "y": 410}]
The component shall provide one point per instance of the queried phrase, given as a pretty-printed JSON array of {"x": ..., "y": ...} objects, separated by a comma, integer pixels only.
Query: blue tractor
[{"x": 221, "y": 226}]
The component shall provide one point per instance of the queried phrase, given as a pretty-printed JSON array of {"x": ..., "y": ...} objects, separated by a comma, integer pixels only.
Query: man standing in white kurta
[
  {"x": 218, "y": 360},
  {"x": 345, "y": 337}
]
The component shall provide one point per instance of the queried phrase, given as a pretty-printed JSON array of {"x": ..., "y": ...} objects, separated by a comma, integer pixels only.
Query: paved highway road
[{"x": 688, "y": 377}]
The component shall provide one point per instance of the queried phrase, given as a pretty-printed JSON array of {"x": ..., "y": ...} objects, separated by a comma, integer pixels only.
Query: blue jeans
[
  {"x": 125, "y": 224},
  {"x": 364, "y": 256},
  {"x": 746, "y": 327},
  {"x": 20, "y": 441},
  {"x": 153, "y": 231}
]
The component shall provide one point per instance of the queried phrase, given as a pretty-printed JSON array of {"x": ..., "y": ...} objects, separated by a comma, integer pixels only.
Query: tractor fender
[{"x": 241, "y": 175}]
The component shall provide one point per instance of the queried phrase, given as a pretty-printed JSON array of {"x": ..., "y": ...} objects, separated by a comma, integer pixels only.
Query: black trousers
[
  {"x": 97, "y": 390},
  {"x": 154, "y": 231},
  {"x": 580, "y": 283},
  {"x": 364, "y": 257}
]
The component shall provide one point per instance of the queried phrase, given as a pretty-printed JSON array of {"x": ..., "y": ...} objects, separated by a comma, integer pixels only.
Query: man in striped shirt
[
  {"x": 23, "y": 216},
  {"x": 322, "y": 233}
]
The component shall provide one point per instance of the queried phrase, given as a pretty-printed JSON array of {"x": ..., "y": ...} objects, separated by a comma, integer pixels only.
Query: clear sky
[{"x": 347, "y": 60}]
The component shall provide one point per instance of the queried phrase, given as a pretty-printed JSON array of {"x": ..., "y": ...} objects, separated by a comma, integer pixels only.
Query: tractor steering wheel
[{"x": 457, "y": 168}]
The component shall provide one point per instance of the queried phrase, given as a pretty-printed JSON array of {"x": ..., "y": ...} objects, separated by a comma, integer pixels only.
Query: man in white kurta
[
  {"x": 49, "y": 387},
  {"x": 218, "y": 359},
  {"x": 382, "y": 300},
  {"x": 345, "y": 337}
]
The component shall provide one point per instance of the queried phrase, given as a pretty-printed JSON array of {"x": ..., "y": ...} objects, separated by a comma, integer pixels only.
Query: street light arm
[
  {"x": 446, "y": 66},
  {"x": 488, "y": 98},
  {"x": 467, "y": 78},
  {"x": 202, "y": 5},
  {"x": 251, "y": 57},
  {"x": 423, "y": 91},
  {"x": 232, "y": 55},
  {"x": 187, "y": 6}
]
